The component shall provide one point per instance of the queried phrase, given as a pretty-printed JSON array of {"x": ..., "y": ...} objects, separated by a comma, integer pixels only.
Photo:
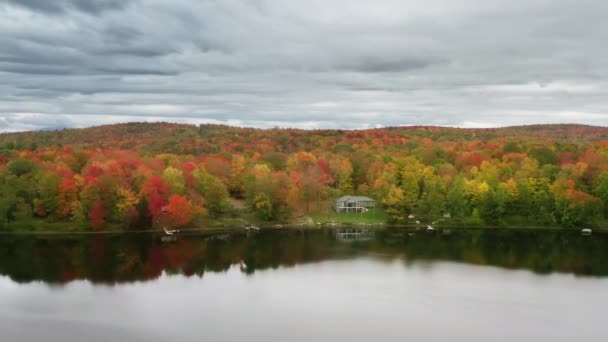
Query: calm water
[{"x": 312, "y": 286}]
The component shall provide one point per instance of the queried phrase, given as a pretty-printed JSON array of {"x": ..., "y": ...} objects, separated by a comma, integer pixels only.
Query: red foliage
[
  {"x": 90, "y": 180},
  {"x": 64, "y": 172},
  {"x": 324, "y": 165},
  {"x": 155, "y": 205},
  {"x": 220, "y": 168},
  {"x": 179, "y": 210},
  {"x": 97, "y": 215},
  {"x": 93, "y": 171},
  {"x": 155, "y": 191},
  {"x": 187, "y": 169},
  {"x": 475, "y": 160},
  {"x": 67, "y": 185},
  {"x": 156, "y": 185},
  {"x": 466, "y": 161}
]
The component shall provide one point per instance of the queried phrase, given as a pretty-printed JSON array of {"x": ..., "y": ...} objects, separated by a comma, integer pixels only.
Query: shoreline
[{"x": 290, "y": 227}]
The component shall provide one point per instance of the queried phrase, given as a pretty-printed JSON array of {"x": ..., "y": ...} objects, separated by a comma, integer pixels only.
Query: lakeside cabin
[{"x": 353, "y": 204}]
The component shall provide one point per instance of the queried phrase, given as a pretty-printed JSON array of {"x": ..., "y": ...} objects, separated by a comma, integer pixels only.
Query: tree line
[{"x": 136, "y": 176}]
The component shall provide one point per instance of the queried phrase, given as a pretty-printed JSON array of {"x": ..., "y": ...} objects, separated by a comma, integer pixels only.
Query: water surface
[{"x": 474, "y": 285}]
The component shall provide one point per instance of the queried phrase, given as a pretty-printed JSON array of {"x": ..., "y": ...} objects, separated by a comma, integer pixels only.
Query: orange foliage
[{"x": 179, "y": 210}]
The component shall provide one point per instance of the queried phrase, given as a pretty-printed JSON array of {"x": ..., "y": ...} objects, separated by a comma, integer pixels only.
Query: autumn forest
[{"x": 143, "y": 175}]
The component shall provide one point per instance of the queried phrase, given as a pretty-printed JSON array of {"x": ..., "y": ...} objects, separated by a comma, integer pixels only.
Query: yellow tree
[
  {"x": 175, "y": 178},
  {"x": 301, "y": 161},
  {"x": 413, "y": 175},
  {"x": 341, "y": 170},
  {"x": 237, "y": 172},
  {"x": 394, "y": 204},
  {"x": 125, "y": 200},
  {"x": 387, "y": 178}
]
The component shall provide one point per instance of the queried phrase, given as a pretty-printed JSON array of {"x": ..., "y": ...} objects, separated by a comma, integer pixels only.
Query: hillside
[
  {"x": 139, "y": 175},
  {"x": 158, "y": 137}
]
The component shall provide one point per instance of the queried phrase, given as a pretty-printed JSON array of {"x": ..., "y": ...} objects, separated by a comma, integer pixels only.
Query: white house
[{"x": 353, "y": 204}]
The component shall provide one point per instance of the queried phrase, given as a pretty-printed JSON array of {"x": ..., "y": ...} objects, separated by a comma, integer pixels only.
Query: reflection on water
[
  {"x": 142, "y": 257},
  {"x": 306, "y": 286},
  {"x": 355, "y": 234}
]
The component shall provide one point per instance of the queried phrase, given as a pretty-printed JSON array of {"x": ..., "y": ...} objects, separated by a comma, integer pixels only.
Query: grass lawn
[{"x": 375, "y": 215}]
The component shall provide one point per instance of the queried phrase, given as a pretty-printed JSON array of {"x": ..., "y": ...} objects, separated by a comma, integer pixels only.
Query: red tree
[
  {"x": 155, "y": 191},
  {"x": 97, "y": 215},
  {"x": 179, "y": 210}
]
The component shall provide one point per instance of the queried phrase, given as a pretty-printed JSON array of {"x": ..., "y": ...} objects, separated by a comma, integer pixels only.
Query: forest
[{"x": 143, "y": 175}]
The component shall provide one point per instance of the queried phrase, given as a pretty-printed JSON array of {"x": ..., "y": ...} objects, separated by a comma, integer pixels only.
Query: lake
[{"x": 323, "y": 285}]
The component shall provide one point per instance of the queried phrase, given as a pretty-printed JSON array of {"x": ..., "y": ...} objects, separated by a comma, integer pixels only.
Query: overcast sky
[{"x": 303, "y": 63}]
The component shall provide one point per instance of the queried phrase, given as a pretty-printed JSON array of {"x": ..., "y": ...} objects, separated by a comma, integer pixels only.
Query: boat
[
  {"x": 170, "y": 235},
  {"x": 586, "y": 231},
  {"x": 251, "y": 227},
  {"x": 170, "y": 231},
  {"x": 430, "y": 229}
]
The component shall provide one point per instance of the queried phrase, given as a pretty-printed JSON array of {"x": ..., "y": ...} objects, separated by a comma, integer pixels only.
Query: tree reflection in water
[{"x": 130, "y": 258}]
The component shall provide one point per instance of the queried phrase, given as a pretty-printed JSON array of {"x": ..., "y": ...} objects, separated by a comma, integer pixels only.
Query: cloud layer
[{"x": 303, "y": 63}]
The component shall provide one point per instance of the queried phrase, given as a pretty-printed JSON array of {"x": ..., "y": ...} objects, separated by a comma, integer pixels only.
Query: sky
[{"x": 303, "y": 63}]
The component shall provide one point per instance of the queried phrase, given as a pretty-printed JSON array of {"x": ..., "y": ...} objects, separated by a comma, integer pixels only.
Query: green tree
[
  {"x": 262, "y": 207},
  {"x": 601, "y": 190},
  {"x": 8, "y": 199},
  {"x": 48, "y": 192},
  {"x": 20, "y": 167},
  {"x": 456, "y": 202},
  {"x": 432, "y": 204},
  {"x": 213, "y": 191}
]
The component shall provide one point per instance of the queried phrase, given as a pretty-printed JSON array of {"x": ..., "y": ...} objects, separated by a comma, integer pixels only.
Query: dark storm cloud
[{"x": 304, "y": 63}]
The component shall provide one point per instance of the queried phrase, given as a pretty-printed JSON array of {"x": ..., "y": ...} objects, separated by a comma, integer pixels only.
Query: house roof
[{"x": 349, "y": 198}]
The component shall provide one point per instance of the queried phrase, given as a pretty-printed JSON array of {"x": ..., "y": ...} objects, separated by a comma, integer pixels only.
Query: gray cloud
[
  {"x": 300, "y": 63},
  {"x": 61, "y": 6}
]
